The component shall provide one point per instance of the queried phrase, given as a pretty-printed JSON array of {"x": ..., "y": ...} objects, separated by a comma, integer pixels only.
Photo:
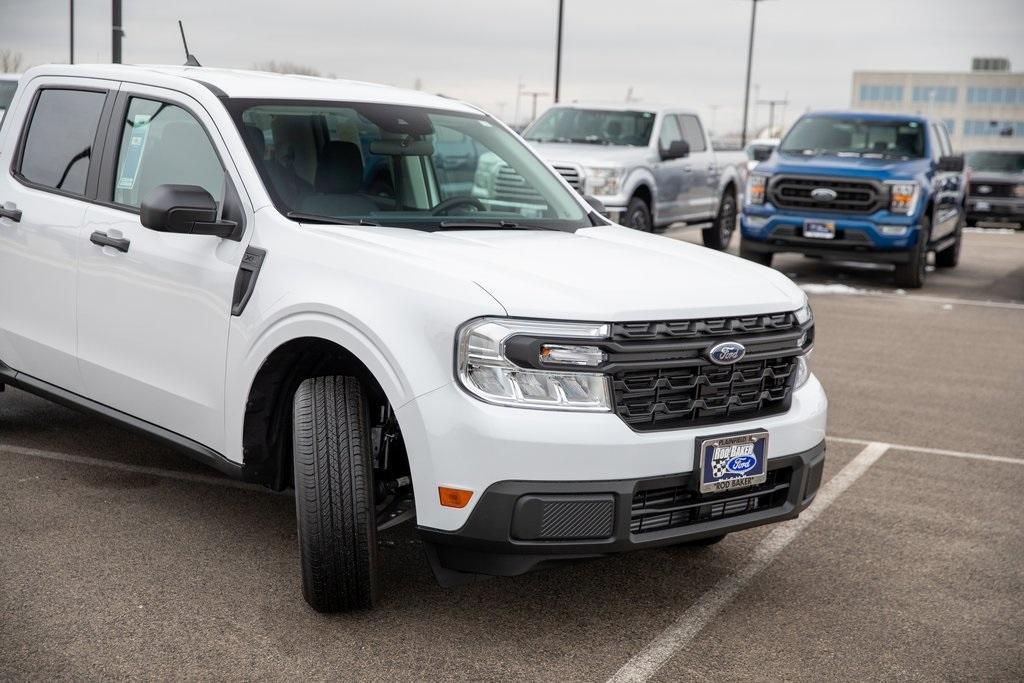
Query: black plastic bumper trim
[{"x": 486, "y": 545}]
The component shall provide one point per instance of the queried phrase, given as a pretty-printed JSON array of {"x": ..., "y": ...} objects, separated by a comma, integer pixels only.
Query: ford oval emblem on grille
[
  {"x": 726, "y": 353},
  {"x": 824, "y": 194},
  {"x": 984, "y": 189}
]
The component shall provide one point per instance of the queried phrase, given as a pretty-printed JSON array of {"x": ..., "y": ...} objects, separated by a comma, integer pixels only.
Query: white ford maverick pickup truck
[{"x": 287, "y": 279}]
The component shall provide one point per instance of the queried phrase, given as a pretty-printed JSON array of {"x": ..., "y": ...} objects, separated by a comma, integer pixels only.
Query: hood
[
  {"x": 615, "y": 156},
  {"x": 995, "y": 177},
  {"x": 853, "y": 167},
  {"x": 606, "y": 273}
]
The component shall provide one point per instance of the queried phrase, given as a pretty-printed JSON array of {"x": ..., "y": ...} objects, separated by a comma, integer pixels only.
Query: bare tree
[
  {"x": 10, "y": 61},
  {"x": 286, "y": 68}
]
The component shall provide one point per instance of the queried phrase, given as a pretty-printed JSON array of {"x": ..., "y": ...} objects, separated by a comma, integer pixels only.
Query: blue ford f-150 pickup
[{"x": 854, "y": 186}]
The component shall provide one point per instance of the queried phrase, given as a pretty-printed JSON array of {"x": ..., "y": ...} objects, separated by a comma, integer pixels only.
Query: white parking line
[
  {"x": 135, "y": 469},
  {"x": 678, "y": 635},
  {"x": 935, "y": 451}
]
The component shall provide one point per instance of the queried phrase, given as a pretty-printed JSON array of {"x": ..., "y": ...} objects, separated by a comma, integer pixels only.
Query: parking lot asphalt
[{"x": 121, "y": 559}]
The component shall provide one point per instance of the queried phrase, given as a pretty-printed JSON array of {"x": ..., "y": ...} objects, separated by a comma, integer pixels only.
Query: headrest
[
  {"x": 256, "y": 141},
  {"x": 339, "y": 168}
]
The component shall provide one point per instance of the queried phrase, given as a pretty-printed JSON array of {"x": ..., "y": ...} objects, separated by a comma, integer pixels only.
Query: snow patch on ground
[
  {"x": 844, "y": 290},
  {"x": 991, "y": 231}
]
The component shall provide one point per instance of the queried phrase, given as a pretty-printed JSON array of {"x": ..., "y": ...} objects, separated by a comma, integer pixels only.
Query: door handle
[
  {"x": 104, "y": 240},
  {"x": 10, "y": 212}
]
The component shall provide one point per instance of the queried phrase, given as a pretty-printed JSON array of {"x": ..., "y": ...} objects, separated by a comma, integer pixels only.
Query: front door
[
  {"x": 672, "y": 176},
  {"x": 702, "y": 199},
  {"x": 154, "y": 310}
]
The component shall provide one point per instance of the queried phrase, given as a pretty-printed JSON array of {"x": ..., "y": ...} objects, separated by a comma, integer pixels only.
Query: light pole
[
  {"x": 750, "y": 60},
  {"x": 115, "y": 20},
  {"x": 558, "y": 54},
  {"x": 534, "y": 94},
  {"x": 71, "y": 31}
]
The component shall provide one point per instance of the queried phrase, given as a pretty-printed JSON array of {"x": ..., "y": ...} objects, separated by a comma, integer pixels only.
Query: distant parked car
[
  {"x": 8, "y": 86},
  {"x": 648, "y": 166},
  {"x": 996, "y": 192},
  {"x": 759, "y": 150}
]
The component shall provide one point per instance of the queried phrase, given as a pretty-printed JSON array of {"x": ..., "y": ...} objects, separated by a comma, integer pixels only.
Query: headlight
[
  {"x": 903, "y": 197},
  {"x": 484, "y": 369},
  {"x": 803, "y": 314},
  {"x": 1018, "y": 191},
  {"x": 802, "y": 372},
  {"x": 755, "y": 188},
  {"x": 603, "y": 181}
]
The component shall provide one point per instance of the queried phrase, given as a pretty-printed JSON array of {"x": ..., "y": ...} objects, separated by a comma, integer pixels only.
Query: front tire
[
  {"x": 638, "y": 215},
  {"x": 912, "y": 274},
  {"x": 762, "y": 257},
  {"x": 950, "y": 256},
  {"x": 334, "y": 494},
  {"x": 720, "y": 233}
]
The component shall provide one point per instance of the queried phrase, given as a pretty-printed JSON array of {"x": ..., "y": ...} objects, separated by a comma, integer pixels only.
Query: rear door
[
  {"x": 50, "y": 150},
  {"x": 702, "y": 197},
  {"x": 154, "y": 316}
]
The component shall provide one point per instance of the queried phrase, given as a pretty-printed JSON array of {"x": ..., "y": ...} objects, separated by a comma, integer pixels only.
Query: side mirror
[
  {"x": 596, "y": 203},
  {"x": 761, "y": 153},
  {"x": 677, "y": 149},
  {"x": 953, "y": 163},
  {"x": 185, "y": 209}
]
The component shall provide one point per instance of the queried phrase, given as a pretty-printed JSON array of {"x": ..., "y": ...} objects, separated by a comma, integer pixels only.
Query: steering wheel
[{"x": 462, "y": 200}]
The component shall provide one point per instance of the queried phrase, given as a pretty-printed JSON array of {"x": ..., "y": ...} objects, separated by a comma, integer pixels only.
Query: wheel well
[
  {"x": 644, "y": 193},
  {"x": 730, "y": 187},
  {"x": 267, "y": 430}
]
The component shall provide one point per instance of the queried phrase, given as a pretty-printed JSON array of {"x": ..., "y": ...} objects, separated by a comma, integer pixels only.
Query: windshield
[
  {"x": 996, "y": 162},
  {"x": 400, "y": 166},
  {"x": 844, "y": 136},
  {"x": 594, "y": 126}
]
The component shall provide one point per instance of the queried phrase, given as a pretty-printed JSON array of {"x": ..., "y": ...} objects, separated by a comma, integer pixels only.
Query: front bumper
[
  {"x": 995, "y": 210},
  {"x": 458, "y": 441},
  {"x": 518, "y": 525},
  {"x": 858, "y": 237}
]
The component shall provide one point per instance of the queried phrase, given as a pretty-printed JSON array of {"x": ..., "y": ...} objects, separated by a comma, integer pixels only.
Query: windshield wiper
[
  {"x": 326, "y": 220},
  {"x": 490, "y": 225}
]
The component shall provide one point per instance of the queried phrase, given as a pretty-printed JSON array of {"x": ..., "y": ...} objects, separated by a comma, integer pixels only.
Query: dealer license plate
[
  {"x": 732, "y": 462},
  {"x": 820, "y": 230}
]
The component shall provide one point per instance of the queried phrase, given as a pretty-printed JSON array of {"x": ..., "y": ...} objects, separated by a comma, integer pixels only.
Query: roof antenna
[{"x": 190, "y": 59}]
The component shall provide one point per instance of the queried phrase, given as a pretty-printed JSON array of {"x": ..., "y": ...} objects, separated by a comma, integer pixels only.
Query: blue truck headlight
[
  {"x": 903, "y": 197},
  {"x": 484, "y": 370},
  {"x": 756, "y": 184}
]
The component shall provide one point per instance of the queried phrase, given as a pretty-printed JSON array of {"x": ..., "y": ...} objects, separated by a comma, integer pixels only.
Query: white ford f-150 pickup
[
  {"x": 649, "y": 166},
  {"x": 282, "y": 277}
]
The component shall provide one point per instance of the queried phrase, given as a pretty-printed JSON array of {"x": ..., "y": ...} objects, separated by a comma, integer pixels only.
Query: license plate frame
[
  {"x": 819, "y": 230},
  {"x": 719, "y": 464}
]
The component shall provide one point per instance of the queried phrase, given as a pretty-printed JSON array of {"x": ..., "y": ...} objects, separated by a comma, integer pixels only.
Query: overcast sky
[{"x": 690, "y": 52}]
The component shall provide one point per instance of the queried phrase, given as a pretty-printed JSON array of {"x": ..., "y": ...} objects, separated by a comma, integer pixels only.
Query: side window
[
  {"x": 58, "y": 146},
  {"x": 669, "y": 132},
  {"x": 693, "y": 133},
  {"x": 162, "y": 143}
]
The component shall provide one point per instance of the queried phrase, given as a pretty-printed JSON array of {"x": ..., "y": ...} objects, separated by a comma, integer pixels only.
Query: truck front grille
[
  {"x": 510, "y": 186},
  {"x": 978, "y": 190},
  {"x": 678, "y": 506},
  {"x": 571, "y": 175},
  {"x": 852, "y": 196},
  {"x": 662, "y": 378}
]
